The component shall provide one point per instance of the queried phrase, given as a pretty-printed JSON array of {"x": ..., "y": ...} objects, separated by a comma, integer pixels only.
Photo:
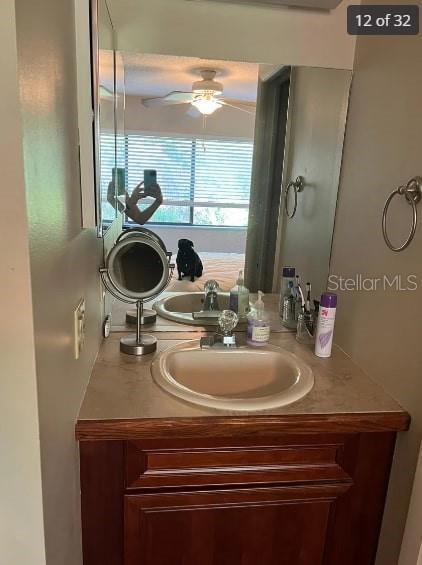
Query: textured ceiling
[{"x": 157, "y": 75}]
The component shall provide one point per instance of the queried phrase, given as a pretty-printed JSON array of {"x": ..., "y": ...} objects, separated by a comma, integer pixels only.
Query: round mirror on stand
[
  {"x": 149, "y": 316},
  {"x": 137, "y": 269}
]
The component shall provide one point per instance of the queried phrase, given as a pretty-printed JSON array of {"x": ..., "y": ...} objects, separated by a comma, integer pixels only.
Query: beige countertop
[{"x": 122, "y": 395}]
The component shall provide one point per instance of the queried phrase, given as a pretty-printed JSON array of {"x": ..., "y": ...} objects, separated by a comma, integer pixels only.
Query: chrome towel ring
[
  {"x": 413, "y": 193},
  {"x": 298, "y": 185}
]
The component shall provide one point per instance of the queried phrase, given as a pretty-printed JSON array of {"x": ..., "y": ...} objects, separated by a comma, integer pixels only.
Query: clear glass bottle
[
  {"x": 305, "y": 328},
  {"x": 259, "y": 327},
  {"x": 239, "y": 298},
  {"x": 298, "y": 298}
]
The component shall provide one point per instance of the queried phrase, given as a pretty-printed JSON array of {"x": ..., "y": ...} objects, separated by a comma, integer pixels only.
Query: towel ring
[
  {"x": 298, "y": 185},
  {"x": 413, "y": 193}
]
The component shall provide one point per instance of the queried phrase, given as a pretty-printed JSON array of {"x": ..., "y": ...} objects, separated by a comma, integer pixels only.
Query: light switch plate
[{"x": 79, "y": 328}]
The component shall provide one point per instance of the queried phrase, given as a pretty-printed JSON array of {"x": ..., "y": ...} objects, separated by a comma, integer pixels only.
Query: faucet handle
[
  {"x": 227, "y": 321},
  {"x": 211, "y": 286}
]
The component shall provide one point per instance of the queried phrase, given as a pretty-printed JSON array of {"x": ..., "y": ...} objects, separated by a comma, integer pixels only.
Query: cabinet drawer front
[
  {"x": 234, "y": 527},
  {"x": 147, "y": 468}
]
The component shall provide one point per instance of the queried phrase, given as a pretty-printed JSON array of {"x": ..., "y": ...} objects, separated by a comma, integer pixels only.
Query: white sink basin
[
  {"x": 233, "y": 379},
  {"x": 179, "y": 308}
]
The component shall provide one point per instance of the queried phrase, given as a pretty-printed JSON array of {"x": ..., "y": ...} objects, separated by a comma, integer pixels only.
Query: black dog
[{"x": 188, "y": 261}]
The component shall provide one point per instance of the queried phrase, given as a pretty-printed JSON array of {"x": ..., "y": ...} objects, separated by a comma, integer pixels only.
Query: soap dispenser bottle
[
  {"x": 258, "y": 332},
  {"x": 239, "y": 298}
]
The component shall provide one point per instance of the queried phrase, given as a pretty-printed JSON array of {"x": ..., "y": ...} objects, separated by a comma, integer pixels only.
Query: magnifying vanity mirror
[
  {"x": 137, "y": 268},
  {"x": 208, "y": 150}
]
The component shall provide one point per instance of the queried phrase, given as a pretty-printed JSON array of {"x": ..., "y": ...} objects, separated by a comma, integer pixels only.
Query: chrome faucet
[
  {"x": 211, "y": 289},
  {"x": 227, "y": 321}
]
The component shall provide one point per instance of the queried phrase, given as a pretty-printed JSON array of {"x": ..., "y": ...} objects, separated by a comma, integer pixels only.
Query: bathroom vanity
[{"x": 167, "y": 482}]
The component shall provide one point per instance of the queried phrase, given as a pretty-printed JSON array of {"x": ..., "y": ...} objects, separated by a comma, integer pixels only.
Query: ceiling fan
[{"x": 204, "y": 99}]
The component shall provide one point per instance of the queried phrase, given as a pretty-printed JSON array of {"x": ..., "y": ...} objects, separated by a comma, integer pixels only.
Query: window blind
[
  {"x": 223, "y": 172},
  {"x": 204, "y": 181},
  {"x": 171, "y": 157}
]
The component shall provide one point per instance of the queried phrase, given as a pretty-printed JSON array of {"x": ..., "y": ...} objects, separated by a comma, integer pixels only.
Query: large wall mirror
[
  {"x": 228, "y": 141},
  {"x": 109, "y": 115}
]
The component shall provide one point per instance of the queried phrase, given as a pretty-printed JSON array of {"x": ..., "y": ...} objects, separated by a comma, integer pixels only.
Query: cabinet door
[{"x": 266, "y": 526}]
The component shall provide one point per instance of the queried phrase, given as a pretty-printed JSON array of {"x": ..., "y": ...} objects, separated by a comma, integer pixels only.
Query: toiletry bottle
[
  {"x": 308, "y": 297},
  {"x": 288, "y": 277},
  {"x": 258, "y": 332},
  {"x": 289, "y": 300},
  {"x": 239, "y": 298},
  {"x": 325, "y": 325},
  {"x": 305, "y": 331},
  {"x": 298, "y": 298}
]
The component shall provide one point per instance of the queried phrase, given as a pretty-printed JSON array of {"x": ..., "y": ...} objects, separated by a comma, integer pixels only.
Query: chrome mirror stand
[
  {"x": 138, "y": 343},
  {"x": 148, "y": 316}
]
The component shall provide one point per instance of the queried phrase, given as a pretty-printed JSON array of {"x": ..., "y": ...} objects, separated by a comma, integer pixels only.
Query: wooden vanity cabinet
[{"x": 283, "y": 499}]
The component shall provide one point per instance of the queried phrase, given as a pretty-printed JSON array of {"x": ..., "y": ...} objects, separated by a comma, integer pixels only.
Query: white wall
[
  {"x": 381, "y": 330},
  {"x": 64, "y": 262},
  {"x": 226, "y": 122},
  {"x": 215, "y": 240},
  {"x": 21, "y": 515},
  {"x": 213, "y": 30}
]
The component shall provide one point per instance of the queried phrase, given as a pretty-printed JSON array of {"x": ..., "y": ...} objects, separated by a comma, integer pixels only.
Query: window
[{"x": 204, "y": 181}]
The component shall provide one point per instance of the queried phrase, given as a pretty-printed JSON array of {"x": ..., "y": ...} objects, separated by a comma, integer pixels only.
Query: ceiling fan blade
[
  {"x": 175, "y": 97},
  {"x": 193, "y": 112},
  {"x": 243, "y": 108}
]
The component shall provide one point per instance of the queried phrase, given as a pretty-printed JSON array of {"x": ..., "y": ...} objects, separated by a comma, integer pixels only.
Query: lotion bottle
[
  {"x": 258, "y": 332},
  {"x": 325, "y": 325},
  {"x": 239, "y": 298}
]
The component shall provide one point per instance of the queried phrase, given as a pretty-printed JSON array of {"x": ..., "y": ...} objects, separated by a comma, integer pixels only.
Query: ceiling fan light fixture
[
  {"x": 207, "y": 84},
  {"x": 207, "y": 105},
  {"x": 203, "y": 86}
]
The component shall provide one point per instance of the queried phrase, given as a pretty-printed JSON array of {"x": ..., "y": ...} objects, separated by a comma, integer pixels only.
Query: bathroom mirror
[
  {"x": 227, "y": 140},
  {"x": 109, "y": 103}
]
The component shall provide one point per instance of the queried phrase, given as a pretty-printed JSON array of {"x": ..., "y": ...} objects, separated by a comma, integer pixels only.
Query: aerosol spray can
[{"x": 325, "y": 325}]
